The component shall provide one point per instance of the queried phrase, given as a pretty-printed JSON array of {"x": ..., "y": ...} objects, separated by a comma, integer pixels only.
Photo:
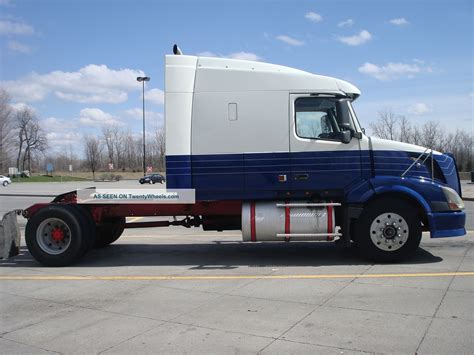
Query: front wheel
[
  {"x": 388, "y": 230},
  {"x": 5, "y": 183}
]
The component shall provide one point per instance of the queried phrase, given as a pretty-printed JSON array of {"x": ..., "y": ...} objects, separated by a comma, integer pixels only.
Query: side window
[{"x": 316, "y": 118}]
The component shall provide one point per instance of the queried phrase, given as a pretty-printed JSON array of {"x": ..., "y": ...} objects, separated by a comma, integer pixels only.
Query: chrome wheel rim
[
  {"x": 53, "y": 236},
  {"x": 389, "y": 231}
]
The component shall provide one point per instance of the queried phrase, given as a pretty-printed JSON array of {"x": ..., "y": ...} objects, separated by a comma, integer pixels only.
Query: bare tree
[
  {"x": 161, "y": 143},
  {"x": 405, "y": 133},
  {"x": 93, "y": 151},
  {"x": 107, "y": 134},
  {"x": 5, "y": 128},
  {"x": 118, "y": 143},
  {"x": 30, "y": 138},
  {"x": 429, "y": 134},
  {"x": 386, "y": 126}
]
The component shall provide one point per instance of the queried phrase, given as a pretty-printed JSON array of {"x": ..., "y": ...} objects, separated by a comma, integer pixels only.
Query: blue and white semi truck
[{"x": 279, "y": 154}]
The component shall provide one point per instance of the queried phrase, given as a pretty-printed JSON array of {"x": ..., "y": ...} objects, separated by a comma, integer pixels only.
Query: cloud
[
  {"x": 399, "y": 21},
  {"x": 347, "y": 23},
  {"x": 5, "y": 2},
  {"x": 95, "y": 117},
  {"x": 392, "y": 71},
  {"x": 418, "y": 109},
  {"x": 61, "y": 133},
  {"x": 156, "y": 96},
  {"x": 356, "y": 40},
  {"x": 244, "y": 56},
  {"x": 18, "y": 106},
  {"x": 137, "y": 113},
  {"x": 11, "y": 27},
  {"x": 90, "y": 84},
  {"x": 112, "y": 97},
  {"x": 237, "y": 55},
  {"x": 53, "y": 123},
  {"x": 289, "y": 40},
  {"x": 207, "y": 54},
  {"x": 18, "y": 47},
  {"x": 313, "y": 16},
  {"x": 59, "y": 141}
]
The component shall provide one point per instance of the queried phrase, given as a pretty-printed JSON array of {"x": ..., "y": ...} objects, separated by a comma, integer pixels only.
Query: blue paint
[
  {"x": 447, "y": 224},
  {"x": 344, "y": 175},
  {"x": 257, "y": 173},
  {"x": 448, "y": 165}
]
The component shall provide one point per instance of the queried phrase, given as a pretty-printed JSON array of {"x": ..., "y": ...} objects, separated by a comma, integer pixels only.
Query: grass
[{"x": 44, "y": 178}]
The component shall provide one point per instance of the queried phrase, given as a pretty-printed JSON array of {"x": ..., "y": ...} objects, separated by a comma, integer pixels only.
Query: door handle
[{"x": 301, "y": 176}]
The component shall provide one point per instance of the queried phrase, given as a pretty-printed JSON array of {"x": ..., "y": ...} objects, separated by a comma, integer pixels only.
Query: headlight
[{"x": 454, "y": 201}]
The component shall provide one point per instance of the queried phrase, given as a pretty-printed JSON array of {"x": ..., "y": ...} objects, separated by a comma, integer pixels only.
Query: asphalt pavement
[{"x": 177, "y": 290}]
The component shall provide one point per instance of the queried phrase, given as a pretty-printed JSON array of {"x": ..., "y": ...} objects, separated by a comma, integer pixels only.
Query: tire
[
  {"x": 57, "y": 235},
  {"x": 389, "y": 230},
  {"x": 109, "y": 231},
  {"x": 5, "y": 183},
  {"x": 89, "y": 224}
]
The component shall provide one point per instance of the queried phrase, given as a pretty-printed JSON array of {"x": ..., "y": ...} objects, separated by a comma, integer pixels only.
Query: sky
[{"x": 75, "y": 62}]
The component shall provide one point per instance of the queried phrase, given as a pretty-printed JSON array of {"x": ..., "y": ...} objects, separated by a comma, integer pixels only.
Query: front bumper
[{"x": 447, "y": 224}]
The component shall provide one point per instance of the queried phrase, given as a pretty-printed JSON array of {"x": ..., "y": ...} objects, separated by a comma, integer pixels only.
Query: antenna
[{"x": 176, "y": 50}]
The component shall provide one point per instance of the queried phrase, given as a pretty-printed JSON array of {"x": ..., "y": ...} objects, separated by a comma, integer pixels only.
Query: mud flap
[{"x": 9, "y": 236}]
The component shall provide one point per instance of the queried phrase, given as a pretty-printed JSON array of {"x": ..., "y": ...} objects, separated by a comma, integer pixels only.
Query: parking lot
[{"x": 178, "y": 290}]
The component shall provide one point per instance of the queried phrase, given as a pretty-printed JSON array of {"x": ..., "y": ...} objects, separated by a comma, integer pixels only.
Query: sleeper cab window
[
  {"x": 232, "y": 111},
  {"x": 316, "y": 118}
]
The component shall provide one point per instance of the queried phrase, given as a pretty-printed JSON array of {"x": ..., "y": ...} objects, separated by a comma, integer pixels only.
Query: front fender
[
  {"x": 427, "y": 193},
  {"x": 379, "y": 190},
  {"x": 367, "y": 190}
]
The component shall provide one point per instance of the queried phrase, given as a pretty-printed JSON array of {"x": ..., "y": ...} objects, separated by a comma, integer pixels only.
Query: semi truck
[{"x": 279, "y": 154}]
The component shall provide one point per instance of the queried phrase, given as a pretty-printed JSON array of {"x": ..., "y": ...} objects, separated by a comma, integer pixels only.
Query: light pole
[{"x": 142, "y": 79}]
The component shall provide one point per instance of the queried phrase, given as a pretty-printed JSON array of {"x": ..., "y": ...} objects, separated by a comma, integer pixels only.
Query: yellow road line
[
  {"x": 229, "y": 277},
  {"x": 134, "y": 219}
]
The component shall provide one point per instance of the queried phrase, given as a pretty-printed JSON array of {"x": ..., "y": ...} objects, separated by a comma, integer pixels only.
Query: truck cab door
[{"x": 325, "y": 153}]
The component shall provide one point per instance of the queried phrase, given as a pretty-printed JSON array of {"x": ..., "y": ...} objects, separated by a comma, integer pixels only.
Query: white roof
[{"x": 223, "y": 74}]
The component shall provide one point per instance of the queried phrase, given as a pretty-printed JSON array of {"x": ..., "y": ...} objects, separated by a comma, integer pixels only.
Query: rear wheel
[
  {"x": 388, "y": 230},
  {"x": 57, "y": 235},
  {"x": 109, "y": 231},
  {"x": 89, "y": 225}
]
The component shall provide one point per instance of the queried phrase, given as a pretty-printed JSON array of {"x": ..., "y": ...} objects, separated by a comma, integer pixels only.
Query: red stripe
[
  {"x": 253, "y": 234},
  {"x": 330, "y": 226},
  {"x": 287, "y": 222}
]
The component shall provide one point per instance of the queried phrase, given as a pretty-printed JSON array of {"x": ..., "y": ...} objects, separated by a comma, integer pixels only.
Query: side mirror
[
  {"x": 345, "y": 136},
  {"x": 346, "y": 126}
]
